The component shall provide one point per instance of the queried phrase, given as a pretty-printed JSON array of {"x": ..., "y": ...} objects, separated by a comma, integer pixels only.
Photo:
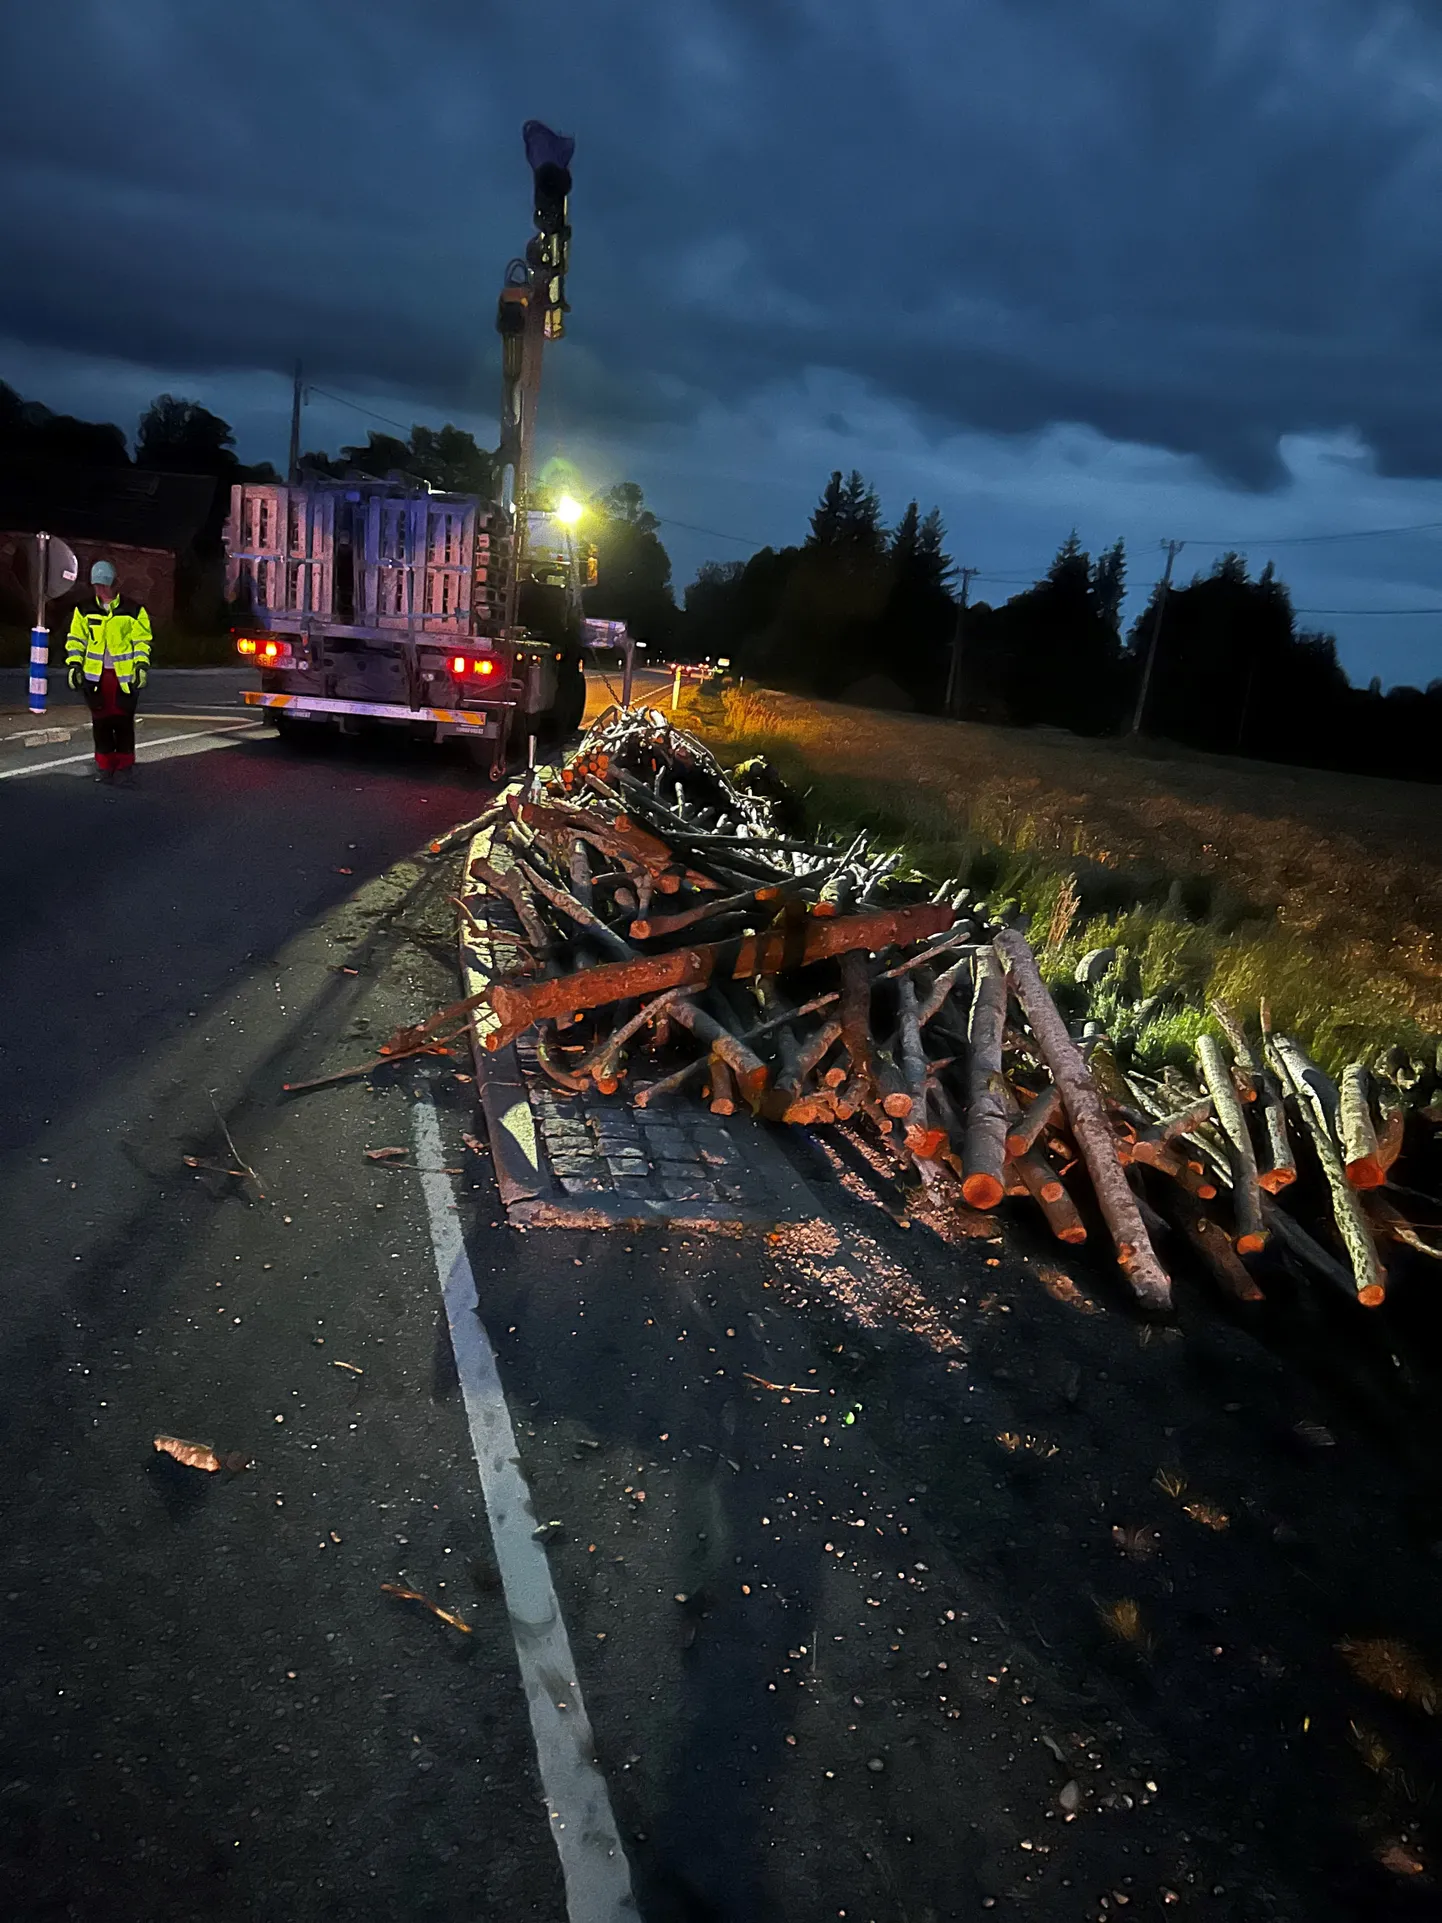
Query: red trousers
[{"x": 112, "y": 722}]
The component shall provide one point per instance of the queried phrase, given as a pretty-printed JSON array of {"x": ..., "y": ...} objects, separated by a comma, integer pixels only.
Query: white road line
[
  {"x": 593, "y": 1863},
  {"x": 202, "y": 738}
]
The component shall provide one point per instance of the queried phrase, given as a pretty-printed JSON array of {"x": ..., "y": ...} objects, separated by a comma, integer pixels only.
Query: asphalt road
[{"x": 837, "y": 1615}]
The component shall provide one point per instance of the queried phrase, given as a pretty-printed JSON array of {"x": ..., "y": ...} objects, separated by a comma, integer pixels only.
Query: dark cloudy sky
[{"x": 1145, "y": 267}]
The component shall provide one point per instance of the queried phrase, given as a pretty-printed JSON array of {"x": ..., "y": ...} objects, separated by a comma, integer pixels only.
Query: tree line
[
  {"x": 862, "y": 613},
  {"x": 865, "y": 612}
]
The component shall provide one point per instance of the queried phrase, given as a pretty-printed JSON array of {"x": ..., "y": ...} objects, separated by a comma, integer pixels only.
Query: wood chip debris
[{"x": 414, "y": 1595}]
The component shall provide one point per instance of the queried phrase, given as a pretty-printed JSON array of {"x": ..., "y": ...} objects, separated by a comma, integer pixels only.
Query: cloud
[{"x": 1196, "y": 230}]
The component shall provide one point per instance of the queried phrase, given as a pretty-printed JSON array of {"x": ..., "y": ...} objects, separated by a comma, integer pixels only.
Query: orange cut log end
[
  {"x": 982, "y": 1192},
  {"x": 1251, "y": 1244},
  {"x": 1373, "y": 1296},
  {"x": 1367, "y": 1173},
  {"x": 1274, "y": 1180}
]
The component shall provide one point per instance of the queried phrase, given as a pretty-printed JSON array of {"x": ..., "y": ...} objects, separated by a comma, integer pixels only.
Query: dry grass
[{"x": 1227, "y": 878}]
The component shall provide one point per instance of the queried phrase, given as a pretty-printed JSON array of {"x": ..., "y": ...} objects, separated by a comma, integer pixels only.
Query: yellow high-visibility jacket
[{"x": 122, "y": 631}]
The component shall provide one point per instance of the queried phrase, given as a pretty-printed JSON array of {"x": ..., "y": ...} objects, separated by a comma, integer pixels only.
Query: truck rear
[{"x": 381, "y": 603}]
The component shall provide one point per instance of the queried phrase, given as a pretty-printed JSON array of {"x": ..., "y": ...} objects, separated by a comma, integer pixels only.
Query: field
[{"x": 1233, "y": 878}]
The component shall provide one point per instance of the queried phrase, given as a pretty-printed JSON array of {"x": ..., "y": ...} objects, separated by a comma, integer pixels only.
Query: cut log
[
  {"x": 517, "y": 1005},
  {"x": 1049, "y": 1192},
  {"x": 1283, "y": 1170},
  {"x": 1163, "y": 1157},
  {"x": 1211, "y": 1243},
  {"x": 1368, "y": 1275},
  {"x": 1250, "y": 1231},
  {"x": 1182, "y": 1121},
  {"x": 723, "y": 1088},
  {"x": 1307, "y": 1082},
  {"x": 948, "y": 980},
  {"x": 909, "y": 1047},
  {"x": 1027, "y": 1129},
  {"x": 1361, "y": 1155},
  {"x": 984, "y": 1146},
  {"x": 1247, "y": 1070},
  {"x": 1089, "y": 1123},
  {"x": 856, "y": 1021},
  {"x": 746, "y": 1065}
]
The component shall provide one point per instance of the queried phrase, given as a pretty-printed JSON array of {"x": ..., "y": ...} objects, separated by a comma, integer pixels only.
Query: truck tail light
[
  {"x": 461, "y": 665},
  {"x": 263, "y": 651},
  {"x": 245, "y": 646}
]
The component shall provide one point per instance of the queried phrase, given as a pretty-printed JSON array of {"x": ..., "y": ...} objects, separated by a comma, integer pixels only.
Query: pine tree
[
  {"x": 861, "y": 528},
  {"x": 828, "y": 519},
  {"x": 1109, "y": 577},
  {"x": 935, "y": 568},
  {"x": 906, "y": 541}
]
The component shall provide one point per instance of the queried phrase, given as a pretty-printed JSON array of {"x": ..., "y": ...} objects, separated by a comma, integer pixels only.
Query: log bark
[
  {"x": 1211, "y": 1243},
  {"x": 517, "y": 1005},
  {"x": 1089, "y": 1123},
  {"x": 1247, "y": 1070},
  {"x": 1049, "y": 1192},
  {"x": 1027, "y": 1129},
  {"x": 723, "y": 1088},
  {"x": 984, "y": 1146},
  {"x": 1361, "y": 1155},
  {"x": 1307, "y": 1082},
  {"x": 1250, "y": 1231},
  {"x": 1368, "y": 1275},
  {"x": 909, "y": 1046},
  {"x": 946, "y": 981},
  {"x": 1283, "y": 1170}
]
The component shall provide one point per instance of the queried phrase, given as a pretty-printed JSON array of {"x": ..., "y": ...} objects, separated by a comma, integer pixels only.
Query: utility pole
[
  {"x": 295, "y": 403},
  {"x": 953, "y": 679},
  {"x": 1173, "y": 548}
]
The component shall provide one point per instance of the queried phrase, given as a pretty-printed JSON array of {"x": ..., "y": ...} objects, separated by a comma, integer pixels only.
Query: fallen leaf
[
  {"x": 345, "y": 871},
  {"x": 384, "y": 1154},
  {"x": 348, "y": 1365},
  {"x": 1400, "y": 1860},
  {"x": 1206, "y": 1514},
  {"x": 195, "y": 1455},
  {"x": 415, "y": 1596},
  {"x": 1069, "y": 1797},
  {"x": 238, "y": 1461},
  {"x": 476, "y": 1146},
  {"x": 1392, "y": 1667}
]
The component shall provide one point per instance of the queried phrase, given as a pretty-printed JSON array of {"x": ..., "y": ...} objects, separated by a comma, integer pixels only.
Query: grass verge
[{"x": 1235, "y": 881}]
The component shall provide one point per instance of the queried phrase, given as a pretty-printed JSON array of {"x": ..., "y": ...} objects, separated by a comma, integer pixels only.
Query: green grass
[{"x": 1187, "y": 937}]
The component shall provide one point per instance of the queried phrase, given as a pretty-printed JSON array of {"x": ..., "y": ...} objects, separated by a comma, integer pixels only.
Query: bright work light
[{"x": 568, "y": 510}]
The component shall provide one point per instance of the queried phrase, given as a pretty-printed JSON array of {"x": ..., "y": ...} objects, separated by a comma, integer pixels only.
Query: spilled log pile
[{"x": 666, "y": 906}]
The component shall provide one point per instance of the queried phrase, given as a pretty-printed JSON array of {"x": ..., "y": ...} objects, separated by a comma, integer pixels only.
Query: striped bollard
[{"x": 39, "y": 668}]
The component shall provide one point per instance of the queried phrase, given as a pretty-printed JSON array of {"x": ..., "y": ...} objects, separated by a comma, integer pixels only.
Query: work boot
[
  {"x": 124, "y": 777},
  {"x": 104, "y": 775}
]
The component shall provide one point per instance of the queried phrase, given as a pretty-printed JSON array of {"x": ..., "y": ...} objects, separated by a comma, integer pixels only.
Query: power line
[
  {"x": 1367, "y": 611},
  {"x": 715, "y": 533},
  {"x": 1297, "y": 540},
  {"x": 385, "y": 419}
]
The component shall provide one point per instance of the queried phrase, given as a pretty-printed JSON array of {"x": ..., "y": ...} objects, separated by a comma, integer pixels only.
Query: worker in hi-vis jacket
[{"x": 107, "y": 655}]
